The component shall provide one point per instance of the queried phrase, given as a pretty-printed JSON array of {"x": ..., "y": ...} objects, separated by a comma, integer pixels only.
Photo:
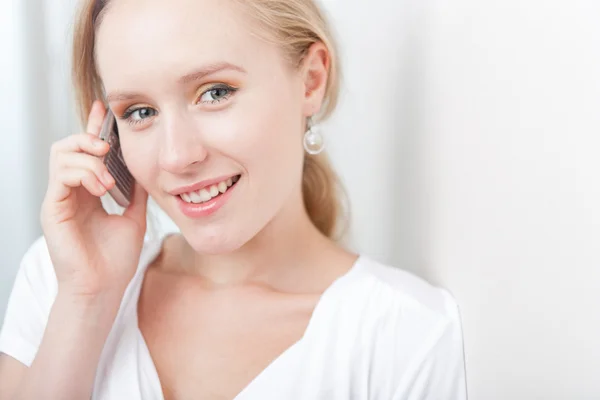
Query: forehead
[{"x": 168, "y": 37}]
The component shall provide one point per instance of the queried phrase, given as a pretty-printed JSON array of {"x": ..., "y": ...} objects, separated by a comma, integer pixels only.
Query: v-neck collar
[{"x": 318, "y": 315}]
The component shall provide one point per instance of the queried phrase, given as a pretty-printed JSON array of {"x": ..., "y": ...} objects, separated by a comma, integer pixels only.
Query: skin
[{"x": 238, "y": 287}]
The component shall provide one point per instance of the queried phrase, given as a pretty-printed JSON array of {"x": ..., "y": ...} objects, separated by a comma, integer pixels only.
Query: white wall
[
  {"x": 511, "y": 137},
  {"x": 17, "y": 215},
  {"x": 469, "y": 139},
  {"x": 466, "y": 136},
  {"x": 35, "y": 110}
]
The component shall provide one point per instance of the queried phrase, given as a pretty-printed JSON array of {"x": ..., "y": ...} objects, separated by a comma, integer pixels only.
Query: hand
[{"x": 92, "y": 252}]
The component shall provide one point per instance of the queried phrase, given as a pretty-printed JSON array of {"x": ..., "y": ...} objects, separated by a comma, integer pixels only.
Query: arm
[
  {"x": 66, "y": 362},
  {"x": 11, "y": 373},
  {"x": 69, "y": 287}
]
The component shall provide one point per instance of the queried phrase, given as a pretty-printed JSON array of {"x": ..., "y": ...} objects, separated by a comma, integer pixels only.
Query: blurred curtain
[{"x": 36, "y": 108}]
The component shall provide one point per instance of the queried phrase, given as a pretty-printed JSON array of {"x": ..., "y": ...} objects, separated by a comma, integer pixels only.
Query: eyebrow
[
  {"x": 209, "y": 70},
  {"x": 191, "y": 77}
]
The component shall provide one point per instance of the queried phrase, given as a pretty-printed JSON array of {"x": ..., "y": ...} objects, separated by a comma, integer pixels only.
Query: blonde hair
[{"x": 293, "y": 25}]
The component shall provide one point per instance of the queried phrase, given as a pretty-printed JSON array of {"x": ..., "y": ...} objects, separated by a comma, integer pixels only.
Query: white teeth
[
  {"x": 204, "y": 195},
  {"x": 195, "y": 197}
]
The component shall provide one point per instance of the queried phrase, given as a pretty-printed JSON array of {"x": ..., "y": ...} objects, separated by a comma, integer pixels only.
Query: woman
[{"x": 214, "y": 102}]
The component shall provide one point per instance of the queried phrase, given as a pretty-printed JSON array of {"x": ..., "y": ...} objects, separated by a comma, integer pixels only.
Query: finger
[
  {"x": 81, "y": 143},
  {"x": 88, "y": 162},
  {"x": 76, "y": 177},
  {"x": 96, "y": 118},
  {"x": 138, "y": 206},
  {"x": 61, "y": 186}
]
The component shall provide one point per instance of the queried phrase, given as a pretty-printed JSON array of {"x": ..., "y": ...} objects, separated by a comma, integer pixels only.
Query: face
[{"x": 210, "y": 116}]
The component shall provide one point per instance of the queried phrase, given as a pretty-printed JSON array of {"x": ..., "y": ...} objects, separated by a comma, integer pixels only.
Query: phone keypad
[{"x": 116, "y": 166}]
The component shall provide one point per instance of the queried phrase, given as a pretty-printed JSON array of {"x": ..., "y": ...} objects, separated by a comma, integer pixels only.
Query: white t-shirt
[{"x": 377, "y": 333}]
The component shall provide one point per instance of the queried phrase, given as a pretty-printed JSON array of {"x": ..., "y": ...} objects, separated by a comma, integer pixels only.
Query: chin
[{"x": 214, "y": 242}]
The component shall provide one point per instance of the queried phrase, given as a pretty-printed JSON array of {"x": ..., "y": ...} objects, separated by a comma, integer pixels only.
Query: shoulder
[
  {"x": 409, "y": 329},
  {"x": 404, "y": 312},
  {"x": 407, "y": 291},
  {"x": 416, "y": 335}
]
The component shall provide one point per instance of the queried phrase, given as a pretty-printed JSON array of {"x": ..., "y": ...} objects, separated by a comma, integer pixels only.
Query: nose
[{"x": 181, "y": 145}]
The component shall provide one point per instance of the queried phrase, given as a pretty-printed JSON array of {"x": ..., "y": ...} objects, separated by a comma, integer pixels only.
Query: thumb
[{"x": 138, "y": 206}]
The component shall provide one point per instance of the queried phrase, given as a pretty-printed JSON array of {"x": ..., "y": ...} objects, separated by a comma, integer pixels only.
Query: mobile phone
[{"x": 122, "y": 192}]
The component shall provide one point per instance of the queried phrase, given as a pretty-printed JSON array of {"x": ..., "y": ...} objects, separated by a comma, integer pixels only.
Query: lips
[{"x": 207, "y": 197}]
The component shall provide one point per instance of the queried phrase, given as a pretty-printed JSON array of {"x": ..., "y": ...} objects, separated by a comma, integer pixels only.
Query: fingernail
[
  {"x": 107, "y": 178},
  {"x": 96, "y": 104}
]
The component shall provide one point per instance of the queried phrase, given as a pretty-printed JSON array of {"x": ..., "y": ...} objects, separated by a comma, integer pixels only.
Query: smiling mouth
[{"x": 208, "y": 193}]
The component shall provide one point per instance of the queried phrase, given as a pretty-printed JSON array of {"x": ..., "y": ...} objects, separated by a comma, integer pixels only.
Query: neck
[{"x": 274, "y": 257}]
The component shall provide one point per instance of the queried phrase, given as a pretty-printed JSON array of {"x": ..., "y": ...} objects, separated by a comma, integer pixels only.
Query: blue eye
[
  {"x": 139, "y": 114},
  {"x": 216, "y": 94}
]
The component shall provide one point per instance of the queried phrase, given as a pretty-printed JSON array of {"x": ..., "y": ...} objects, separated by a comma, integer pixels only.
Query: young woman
[{"x": 215, "y": 103}]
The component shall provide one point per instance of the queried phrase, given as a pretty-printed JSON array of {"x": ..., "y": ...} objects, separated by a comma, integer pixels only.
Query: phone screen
[{"x": 122, "y": 192}]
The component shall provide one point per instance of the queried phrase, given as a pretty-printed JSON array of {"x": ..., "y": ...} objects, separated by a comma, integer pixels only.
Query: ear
[{"x": 315, "y": 72}]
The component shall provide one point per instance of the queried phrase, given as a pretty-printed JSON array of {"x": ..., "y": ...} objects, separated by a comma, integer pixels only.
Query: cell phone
[{"x": 122, "y": 192}]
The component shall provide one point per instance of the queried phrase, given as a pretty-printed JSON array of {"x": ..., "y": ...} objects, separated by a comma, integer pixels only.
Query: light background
[{"x": 468, "y": 139}]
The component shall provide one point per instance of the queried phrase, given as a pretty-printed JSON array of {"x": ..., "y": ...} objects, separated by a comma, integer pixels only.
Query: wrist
[
  {"x": 88, "y": 296},
  {"x": 98, "y": 308}
]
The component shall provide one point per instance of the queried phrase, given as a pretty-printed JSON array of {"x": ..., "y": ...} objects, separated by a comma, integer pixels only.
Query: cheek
[
  {"x": 262, "y": 135},
  {"x": 140, "y": 159}
]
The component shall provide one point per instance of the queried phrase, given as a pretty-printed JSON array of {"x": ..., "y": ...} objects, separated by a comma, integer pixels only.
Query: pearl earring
[{"x": 313, "y": 139}]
